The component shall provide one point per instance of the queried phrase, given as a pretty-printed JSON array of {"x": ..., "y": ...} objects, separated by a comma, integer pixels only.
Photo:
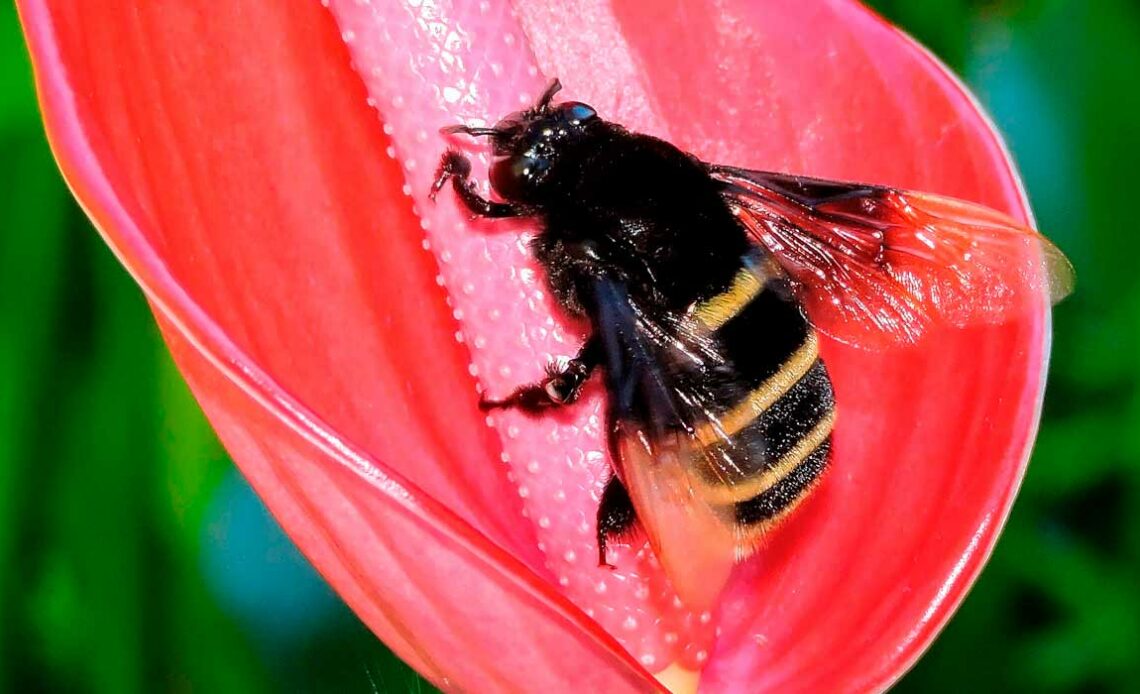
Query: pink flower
[{"x": 262, "y": 169}]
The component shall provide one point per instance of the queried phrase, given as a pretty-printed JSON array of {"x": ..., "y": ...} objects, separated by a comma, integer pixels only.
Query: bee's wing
[
  {"x": 657, "y": 402},
  {"x": 874, "y": 265}
]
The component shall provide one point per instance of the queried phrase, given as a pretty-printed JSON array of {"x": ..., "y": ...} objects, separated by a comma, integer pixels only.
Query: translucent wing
[
  {"x": 674, "y": 431},
  {"x": 874, "y": 265}
]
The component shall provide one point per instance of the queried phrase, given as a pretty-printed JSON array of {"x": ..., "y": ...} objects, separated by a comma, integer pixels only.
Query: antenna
[
  {"x": 548, "y": 95},
  {"x": 468, "y": 130}
]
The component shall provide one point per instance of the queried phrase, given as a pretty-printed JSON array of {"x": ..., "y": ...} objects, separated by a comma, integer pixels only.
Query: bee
[{"x": 706, "y": 289}]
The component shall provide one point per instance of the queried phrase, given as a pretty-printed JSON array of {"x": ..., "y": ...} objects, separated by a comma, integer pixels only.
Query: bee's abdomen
[{"x": 772, "y": 439}]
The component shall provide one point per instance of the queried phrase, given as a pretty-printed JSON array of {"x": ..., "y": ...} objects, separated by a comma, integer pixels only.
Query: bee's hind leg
[
  {"x": 561, "y": 387},
  {"x": 616, "y": 517}
]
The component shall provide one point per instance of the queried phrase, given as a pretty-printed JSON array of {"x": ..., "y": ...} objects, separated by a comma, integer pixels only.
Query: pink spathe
[{"x": 262, "y": 170}]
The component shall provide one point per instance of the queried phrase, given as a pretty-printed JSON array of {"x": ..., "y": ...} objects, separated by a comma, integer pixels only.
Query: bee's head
[{"x": 527, "y": 144}]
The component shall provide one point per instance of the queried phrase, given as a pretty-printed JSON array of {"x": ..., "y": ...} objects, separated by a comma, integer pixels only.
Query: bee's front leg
[
  {"x": 561, "y": 387},
  {"x": 457, "y": 168}
]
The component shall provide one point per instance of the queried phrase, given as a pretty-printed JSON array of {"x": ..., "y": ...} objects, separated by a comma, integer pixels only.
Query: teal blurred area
[{"x": 133, "y": 558}]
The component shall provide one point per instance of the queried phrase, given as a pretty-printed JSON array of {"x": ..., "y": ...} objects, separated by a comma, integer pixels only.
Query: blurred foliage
[{"x": 132, "y": 558}]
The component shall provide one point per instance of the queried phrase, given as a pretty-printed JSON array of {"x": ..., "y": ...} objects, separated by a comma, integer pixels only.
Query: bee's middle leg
[{"x": 561, "y": 387}]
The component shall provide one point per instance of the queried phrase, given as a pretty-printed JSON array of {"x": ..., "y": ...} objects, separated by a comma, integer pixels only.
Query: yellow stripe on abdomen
[
  {"x": 764, "y": 396},
  {"x": 755, "y": 485},
  {"x": 713, "y": 313}
]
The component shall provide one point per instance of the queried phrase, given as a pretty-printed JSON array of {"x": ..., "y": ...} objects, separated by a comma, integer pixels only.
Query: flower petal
[
  {"x": 932, "y": 442},
  {"x": 389, "y": 551},
  {"x": 230, "y": 160},
  {"x": 239, "y": 142}
]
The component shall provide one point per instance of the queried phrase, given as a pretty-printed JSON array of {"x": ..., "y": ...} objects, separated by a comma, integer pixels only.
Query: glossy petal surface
[{"x": 234, "y": 163}]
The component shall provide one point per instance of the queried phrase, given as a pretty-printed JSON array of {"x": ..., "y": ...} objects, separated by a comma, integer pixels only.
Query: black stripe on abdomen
[
  {"x": 763, "y": 335},
  {"x": 774, "y": 434},
  {"x": 785, "y": 494}
]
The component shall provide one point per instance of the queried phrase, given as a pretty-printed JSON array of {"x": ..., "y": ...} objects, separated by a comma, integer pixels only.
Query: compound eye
[
  {"x": 515, "y": 177},
  {"x": 577, "y": 112}
]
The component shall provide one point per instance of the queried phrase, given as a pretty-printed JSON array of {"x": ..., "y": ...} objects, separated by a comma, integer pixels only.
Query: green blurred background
[{"x": 133, "y": 558}]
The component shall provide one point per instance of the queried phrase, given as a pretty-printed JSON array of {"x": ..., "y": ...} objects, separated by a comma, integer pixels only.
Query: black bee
[{"x": 705, "y": 289}]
